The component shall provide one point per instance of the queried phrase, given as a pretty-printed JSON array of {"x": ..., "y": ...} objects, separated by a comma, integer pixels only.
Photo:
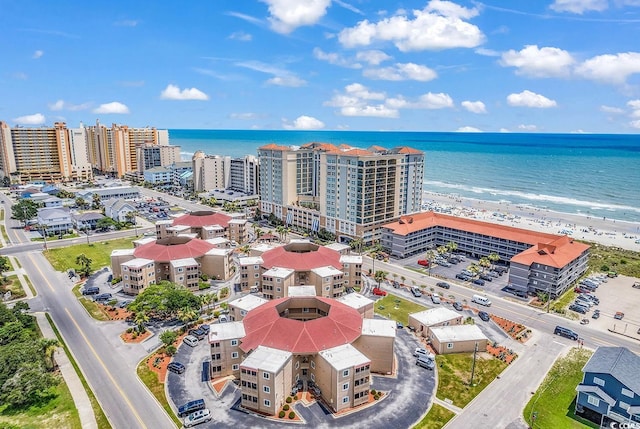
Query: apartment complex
[
  {"x": 223, "y": 172},
  {"x": 539, "y": 262},
  {"x": 49, "y": 154},
  {"x": 300, "y": 263},
  {"x": 150, "y": 155},
  {"x": 301, "y": 343},
  {"x": 205, "y": 224},
  {"x": 348, "y": 191}
]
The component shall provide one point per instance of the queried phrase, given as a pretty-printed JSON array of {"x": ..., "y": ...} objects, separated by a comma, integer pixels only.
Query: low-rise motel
[{"x": 539, "y": 262}]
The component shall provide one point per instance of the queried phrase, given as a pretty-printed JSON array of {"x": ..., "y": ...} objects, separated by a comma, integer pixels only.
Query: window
[
  {"x": 297, "y": 364},
  {"x": 598, "y": 381},
  {"x": 345, "y": 400},
  {"x": 313, "y": 365},
  {"x": 345, "y": 373},
  {"x": 234, "y": 355},
  {"x": 266, "y": 375},
  {"x": 449, "y": 345},
  {"x": 235, "y": 367},
  {"x": 234, "y": 342},
  {"x": 266, "y": 389},
  {"x": 623, "y": 405},
  {"x": 345, "y": 386},
  {"x": 627, "y": 392},
  {"x": 313, "y": 377},
  {"x": 267, "y": 403},
  {"x": 593, "y": 401}
]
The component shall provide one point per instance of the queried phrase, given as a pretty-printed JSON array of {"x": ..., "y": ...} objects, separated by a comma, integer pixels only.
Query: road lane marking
[
  {"x": 101, "y": 362},
  {"x": 597, "y": 340},
  {"x": 43, "y": 276}
]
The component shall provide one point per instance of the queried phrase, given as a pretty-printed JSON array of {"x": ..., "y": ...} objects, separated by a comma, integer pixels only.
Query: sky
[{"x": 546, "y": 66}]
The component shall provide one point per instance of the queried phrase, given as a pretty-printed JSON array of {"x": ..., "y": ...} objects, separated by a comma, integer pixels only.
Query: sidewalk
[{"x": 79, "y": 395}]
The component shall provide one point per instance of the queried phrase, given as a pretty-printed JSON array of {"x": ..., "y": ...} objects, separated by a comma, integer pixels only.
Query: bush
[
  {"x": 289, "y": 399},
  {"x": 376, "y": 396},
  {"x": 292, "y": 415},
  {"x": 605, "y": 268},
  {"x": 129, "y": 330},
  {"x": 286, "y": 407},
  {"x": 373, "y": 391},
  {"x": 281, "y": 414},
  {"x": 171, "y": 350}
]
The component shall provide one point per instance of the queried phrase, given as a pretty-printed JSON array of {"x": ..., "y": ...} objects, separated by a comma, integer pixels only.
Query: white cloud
[
  {"x": 245, "y": 17},
  {"x": 241, "y": 36},
  {"x": 113, "y": 107},
  {"x": 58, "y": 105},
  {"x": 287, "y": 15},
  {"x": 524, "y": 127},
  {"x": 468, "y": 129},
  {"x": 304, "y": 123},
  {"x": 440, "y": 25},
  {"x": 611, "y": 68},
  {"x": 372, "y": 56},
  {"x": 37, "y": 54},
  {"x": 63, "y": 105},
  {"x": 579, "y": 6},
  {"x": 434, "y": 101},
  {"x": 474, "y": 106},
  {"x": 487, "y": 52},
  {"x": 609, "y": 109},
  {"x": 505, "y": 130},
  {"x": 35, "y": 119},
  {"x": 400, "y": 71},
  {"x": 335, "y": 59},
  {"x": 172, "y": 92},
  {"x": 530, "y": 99},
  {"x": 634, "y": 105},
  {"x": 290, "y": 81},
  {"x": 539, "y": 62}
]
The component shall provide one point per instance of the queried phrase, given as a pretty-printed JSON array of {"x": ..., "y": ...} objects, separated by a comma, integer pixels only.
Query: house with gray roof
[
  {"x": 610, "y": 387},
  {"x": 87, "y": 220},
  {"x": 55, "y": 220},
  {"x": 118, "y": 209}
]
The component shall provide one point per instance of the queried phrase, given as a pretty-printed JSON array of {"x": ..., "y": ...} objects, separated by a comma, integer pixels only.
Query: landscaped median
[
  {"x": 553, "y": 404},
  {"x": 396, "y": 308},
  {"x": 436, "y": 418},
  {"x": 155, "y": 380}
]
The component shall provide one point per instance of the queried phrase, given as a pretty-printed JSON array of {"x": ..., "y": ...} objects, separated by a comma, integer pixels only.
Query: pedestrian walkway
[{"x": 79, "y": 395}]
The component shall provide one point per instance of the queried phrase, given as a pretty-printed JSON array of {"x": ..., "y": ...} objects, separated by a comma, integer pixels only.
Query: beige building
[
  {"x": 348, "y": 191},
  {"x": 137, "y": 274},
  {"x": 215, "y": 172},
  {"x": 241, "y": 306},
  {"x": 206, "y": 225},
  {"x": 439, "y": 316},
  {"x": 457, "y": 339},
  {"x": 377, "y": 339},
  {"x": 238, "y": 230},
  {"x": 343, "y": 375},
  {"x": 265, "y": 379},
  {"x": 226, "y": 355},
  {"x": 151, "y": 155},
  {"x": 359, "y": 302},
  {"x": 250, "y": 272}
]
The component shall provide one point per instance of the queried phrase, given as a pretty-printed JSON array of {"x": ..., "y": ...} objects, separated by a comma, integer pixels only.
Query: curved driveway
[{"x": 407, "y": 400}]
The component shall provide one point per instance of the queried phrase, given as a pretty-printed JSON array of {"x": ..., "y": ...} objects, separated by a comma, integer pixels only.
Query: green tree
[
  {"x": 441, "y": 249},
  {"x": 187, "y": 314},
  {"x": 5, "y": 265},
  {"x": 96, "y": 202},
  {"x": 81, "y": 203},
  {"x": 245, "y": 249},
  {"x": 105, "y": 223},
  {"x": 63, "y": 193},
  {"x": 379, "y": 276},
  {"x": 452, "y": 246},
  {"x": 163, "y": 300},
  {"x": 47, "y": 347},
  {"x": 168, "y": 337},
  {"x": 30, "y": 384},
  {"x": 24, "y": 210},
  {"x": 131, "y": 218},
  {"x": 6, "y": 182},
  {"x": 493, "y": 257},
  {"x": 85, "y": 264},
  {"x": 140, "y": 319}
]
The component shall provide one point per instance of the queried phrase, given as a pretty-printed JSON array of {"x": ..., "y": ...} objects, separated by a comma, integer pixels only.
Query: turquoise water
[{"x": 592, "y": 175}]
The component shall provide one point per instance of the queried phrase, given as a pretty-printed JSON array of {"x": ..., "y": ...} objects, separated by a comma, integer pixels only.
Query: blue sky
[{"x": 516, "y": 66}]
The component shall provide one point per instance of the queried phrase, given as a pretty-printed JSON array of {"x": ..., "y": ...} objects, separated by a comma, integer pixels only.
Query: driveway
[{"x": 407, "y": 400}]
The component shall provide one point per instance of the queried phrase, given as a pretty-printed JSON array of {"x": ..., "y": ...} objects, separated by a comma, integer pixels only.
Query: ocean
[{"x": 588, "y": 174}]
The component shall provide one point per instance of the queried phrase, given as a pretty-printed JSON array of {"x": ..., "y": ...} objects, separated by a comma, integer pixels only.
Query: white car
[
  {"x": 435, "y": 298},
  {"x": 197, "y": 417}
]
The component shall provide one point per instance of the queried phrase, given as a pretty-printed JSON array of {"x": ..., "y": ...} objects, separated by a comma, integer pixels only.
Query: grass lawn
[
  {"x": 99, "y": 252},
  {"x": 13, "y": 285},
  {"x": 150, "y": 379},
  {"x": 90, "y": 305},
  {"x": 454, "y": 372},
  {"x": 396, "y": 308},
  {"x": 59, "y": 412},
  {"x": 436, "y": 418},
  {"x": 605, "y": 258},
  {"x": 554, "y": 401},
  {"x": 564, "y": 300}
]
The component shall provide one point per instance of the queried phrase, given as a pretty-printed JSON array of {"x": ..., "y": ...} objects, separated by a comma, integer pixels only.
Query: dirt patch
[
  {"x": 116, "y": 313},
  {"x": 515, "y": 330},
  {"x": 134, "y": 337},
  {"x": 158, "y": 363},
  {"x": 500, "y": 352}
]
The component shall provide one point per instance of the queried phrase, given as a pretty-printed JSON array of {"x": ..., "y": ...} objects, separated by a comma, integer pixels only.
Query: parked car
[
  {"x": 395, "y": 284},
  {"x": 423, "y": 262},
  {"x": 486, "y": 277},
  {"x": 435, "y": 298},
  {"x": 493, "y": 274},
  {"x": 583, "y": 302},
  {"x": 196, "y": 418},
  {"x": 379, "y": 292},
  {"x": 467, "y": 273},
  {"x": 443, "y": 285},
  {"x": 453, "y": 261},
  {"x": 619, "y": 315},
  {"x": 176, "y": 367},
  {"x": 190, "y": 407},
  {"x": 591, "y": 298},
  {"x": 190, "y": 340},
  {"x": 596, "y": 314},
  {"x": 458, "y": 306},
  {"x": 103, "y": 297},
  {"x": 206, "y": 328},
  {"x": 399, "y": 325},
  {"x": 416, "y": 292},
  {"x": 566, "y": 332},
  {"x": 578, "y": 308},
  {"x": 198, "y": 333},
  {"x": 420, "y": 351},
  {"x": 426, "y": 362},
  {"x": 444, "y": 264},
  {"x": 463, "y": 277},
  {"x": 91, "y": 290},
  {"x": 478, "y": 282},
  {"x": 124, "y": 304},
  {"x": 484, "y": 316}
]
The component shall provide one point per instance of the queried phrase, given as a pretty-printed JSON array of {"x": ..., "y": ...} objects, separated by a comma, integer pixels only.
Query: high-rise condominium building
[
  {"x": 150, "y": 155},
  {"x": 347, "y": 191},
  {"x": 50, "y": 154},
  {"x": 223, "y": 172}
]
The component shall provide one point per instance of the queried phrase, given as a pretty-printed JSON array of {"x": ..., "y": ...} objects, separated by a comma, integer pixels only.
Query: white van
[
  {"x": 254, "y": 289},
  {"x": 482, "y": 300},
  {"x": 190, "y": 340}
]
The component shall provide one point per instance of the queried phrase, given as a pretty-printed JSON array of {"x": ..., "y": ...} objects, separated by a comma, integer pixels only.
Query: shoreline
[{"x": 605, "y": 231}]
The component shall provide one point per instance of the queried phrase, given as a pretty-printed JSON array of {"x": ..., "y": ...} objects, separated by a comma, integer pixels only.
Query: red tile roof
[
  {"x": 273, "y": 146},
  {"x": 265, "y": 327},
  {"x": 557, "y": 253},
  {"x": 203, "y": 218},
  {"x": 172, "y": 248},
  {"x": 282, "y": 257},
  {"x": 408, "y": 150}
]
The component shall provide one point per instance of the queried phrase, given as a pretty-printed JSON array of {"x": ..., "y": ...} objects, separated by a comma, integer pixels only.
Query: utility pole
[
  {"x": 473, "y": 366},
  {"x": 548, "y": 297}
]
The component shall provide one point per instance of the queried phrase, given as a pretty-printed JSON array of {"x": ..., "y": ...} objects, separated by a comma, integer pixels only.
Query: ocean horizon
[{"x": 586, "y": 174}]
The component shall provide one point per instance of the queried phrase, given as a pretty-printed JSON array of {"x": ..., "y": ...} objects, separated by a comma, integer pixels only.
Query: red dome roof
[
  {"x": 172, "y": 248},
  {"x": 203, "y": 218},
  {"x": 264, "y": 326},
  {"x": 301, "y": 256}
]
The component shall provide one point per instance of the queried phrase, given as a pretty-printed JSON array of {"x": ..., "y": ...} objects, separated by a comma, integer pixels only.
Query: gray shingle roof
[{"x": 619, "y": 362}]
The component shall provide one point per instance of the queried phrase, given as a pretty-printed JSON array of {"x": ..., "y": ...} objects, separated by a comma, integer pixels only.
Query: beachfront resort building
[
  {"x": 346, "y": 191},
  {"x": 215, "y": 172},
  {"x": 181, "y": 260},
  {"x": 205, "y": 224},
  {"x": 278, "y": 272},
  {"x": 296, "y": 343},
  {"x": 539, "y": 262}
]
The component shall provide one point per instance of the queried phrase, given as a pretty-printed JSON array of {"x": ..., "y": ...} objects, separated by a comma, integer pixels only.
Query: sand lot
[{"x": 618, "y": 295}]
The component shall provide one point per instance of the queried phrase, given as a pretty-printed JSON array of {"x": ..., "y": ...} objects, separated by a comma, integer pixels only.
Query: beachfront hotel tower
[
  {"x": 348, "y": 191},
  {"x": 49, "y": 154},
  {"x": 224, "y": 172}
]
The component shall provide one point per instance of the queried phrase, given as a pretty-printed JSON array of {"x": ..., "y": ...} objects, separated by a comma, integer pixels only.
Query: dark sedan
[{"x": 176, "y": 367}]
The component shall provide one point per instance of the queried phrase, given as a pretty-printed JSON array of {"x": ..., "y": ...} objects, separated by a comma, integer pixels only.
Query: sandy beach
[{"x": 605, "y": 231}]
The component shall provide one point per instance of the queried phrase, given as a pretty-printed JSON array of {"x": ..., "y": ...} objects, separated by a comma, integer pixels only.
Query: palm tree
[
  {"x": 484, "y": 263},
  {"x": 403, "y": 278},
  {"x": 85, "y": 264},
  {"x": 187, "y": 314},
  {"x": 140, "y": 319},
  {"x": 356, "y": 245},
  {"x": 442, "y": 249},
  {"x": 379, "y": 276},
  {"x": 474, "y": 269},
  {"x": 48, "y": 347},
  {"x": 395, "y": 277},
  {"x": 280, "y": 231},
  {"x": 259, "y": 233},
  {"x": 246, "y": 249},
  {"x": 430, "y": 256},
  {"x": 493, "y": 257},
  {"x": 452, "y": 246},
  {"x": 131, "y": 218}
]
